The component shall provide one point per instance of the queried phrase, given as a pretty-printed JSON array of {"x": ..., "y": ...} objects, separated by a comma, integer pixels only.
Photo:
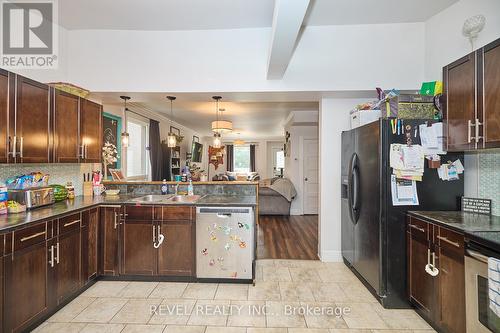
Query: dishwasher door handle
[{"x": 223, "y": 215}]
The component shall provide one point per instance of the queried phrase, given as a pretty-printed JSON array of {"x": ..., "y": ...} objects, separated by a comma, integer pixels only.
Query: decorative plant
[
  {"x": 109, "y": 156},
  {"x": 179, "y": 138}
]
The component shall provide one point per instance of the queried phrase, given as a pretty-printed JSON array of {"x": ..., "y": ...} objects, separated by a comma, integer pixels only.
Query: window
[
  {"x": 241, "y": 159},
  {"x": 137, "y": 155}
]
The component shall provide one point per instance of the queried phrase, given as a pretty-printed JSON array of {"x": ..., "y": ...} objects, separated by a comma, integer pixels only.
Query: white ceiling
[
  {"x": 234, "y": 14},
  {"x": 254, "y": 115}
]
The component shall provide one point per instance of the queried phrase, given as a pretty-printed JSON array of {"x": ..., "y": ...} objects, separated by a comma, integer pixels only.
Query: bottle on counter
[
  {"x": 71, "y": 190},
  {"x": 164, "y": 187},
  {"x": 190, "y": 188}
]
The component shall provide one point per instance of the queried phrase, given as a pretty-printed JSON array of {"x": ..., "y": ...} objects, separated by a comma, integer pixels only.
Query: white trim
[
  {"x": 301, "y": 169},
  {"x": 295, "y": 211},
  {"x": 331, "y": 256}
]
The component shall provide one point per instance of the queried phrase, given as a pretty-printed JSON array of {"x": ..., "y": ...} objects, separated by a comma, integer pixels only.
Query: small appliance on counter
[{"x": 33, "y": 197}]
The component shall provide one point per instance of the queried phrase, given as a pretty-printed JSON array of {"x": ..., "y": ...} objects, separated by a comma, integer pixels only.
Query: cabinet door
[
  {"x": 176, "y": 255},
  {"x": 32, "y": 121},
  {"x": 451, "y": 315},
  {"x": 91, "y": 130},
  {"x": 1, "y": 294},
  {"x": 420, "y": 284},
  {"x": 4, "y": 113},
  {"x": 460, "y": 89},
  {"x": 110, "y": 222},
  {"x": 67, "y": 268},
  {"x": 138, "y": 253},
  {"x": 491, "y": 91},
  {"x": 66, "y": 127},
  {"x": 89, "y": 244},
  {"x": 25, "y": 299}
]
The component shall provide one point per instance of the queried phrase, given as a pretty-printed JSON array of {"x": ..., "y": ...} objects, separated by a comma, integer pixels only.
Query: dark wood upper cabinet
[
  {"x": 4, "y": 114},
  {"x": 460, "y": 91},
  {"x": 176, "y": 255},
  {"x": 66, "y": 128},
  {"x": 490, "y": 89},
  {"x": 472, "y": 90},
  {"x": 91, "y": 131},
  {"x": 32, "y": 121},
  {"x": 26, "y": 275},
  {"x": 110, "y": 225},
  {"x": 138, "y": 253}
]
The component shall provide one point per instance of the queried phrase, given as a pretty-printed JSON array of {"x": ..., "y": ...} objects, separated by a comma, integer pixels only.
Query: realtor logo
[{"x": 29, "y": 32}]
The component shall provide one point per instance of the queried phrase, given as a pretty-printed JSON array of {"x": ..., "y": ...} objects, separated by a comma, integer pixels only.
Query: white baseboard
[
  {"x": 331, "y": 256},
  {"x": 295, "y": 212}
]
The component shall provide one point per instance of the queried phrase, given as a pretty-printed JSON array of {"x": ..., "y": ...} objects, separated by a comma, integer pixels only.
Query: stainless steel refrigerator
[{"x": 373, "y": 230}]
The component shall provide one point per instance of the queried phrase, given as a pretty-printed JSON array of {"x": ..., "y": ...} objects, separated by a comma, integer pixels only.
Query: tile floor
[{"x": 290, "y": 296}]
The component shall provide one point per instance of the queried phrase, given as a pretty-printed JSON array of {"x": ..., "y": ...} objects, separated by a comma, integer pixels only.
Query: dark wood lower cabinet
[
  {"x": 89, "y": 235},
  {"x": 439, "y": 299},
  {"x": 451, "y": 290},
  {"x": 109, "y": 224},
  {"x": 26, "y": 280},
  {"x": 1, "y": 294},
  {"x": 138, "y": 253},
  {"x": 176, "y": 256},
  {"x": 67, "y": 274}
]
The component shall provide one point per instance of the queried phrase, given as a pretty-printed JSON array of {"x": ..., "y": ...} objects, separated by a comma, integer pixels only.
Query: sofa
[{"x": 276, "y": 198}]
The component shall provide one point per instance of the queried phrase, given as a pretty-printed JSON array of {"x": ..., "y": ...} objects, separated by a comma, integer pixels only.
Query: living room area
[{"x": 268, "y": 140}]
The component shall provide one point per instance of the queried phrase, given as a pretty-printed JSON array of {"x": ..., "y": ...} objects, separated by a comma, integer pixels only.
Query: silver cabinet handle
[
  {"x": 469, "y": 131},
  {"x": 444, "y": 239},
  {"x": 71, "y": 223},
  {"x": 24, "y": 239},
  {"x": 154, "y": 238},
  {"x": 85, "y": 150},
  {"x": 12, "y": 143},
  {"x": 116, "y": 220},
  {"x": 21, "y": 147},
  {"x": 51, "y": 260},
  {"x": 57, "y": 248},
  {"x": 478, "y": 137},
  {"x": 416, "y": 228}
]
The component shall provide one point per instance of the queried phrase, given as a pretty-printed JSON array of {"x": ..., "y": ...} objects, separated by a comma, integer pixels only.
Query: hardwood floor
[{"x": 287, "y": 237}]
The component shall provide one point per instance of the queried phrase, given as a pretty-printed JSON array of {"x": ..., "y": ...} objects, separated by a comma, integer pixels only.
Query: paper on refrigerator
[{"x": 404, "y": 192}]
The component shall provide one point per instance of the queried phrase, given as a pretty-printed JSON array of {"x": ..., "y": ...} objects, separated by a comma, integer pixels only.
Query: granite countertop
[
  {"x": 58, "y": 209},
  {"x": 481, "y": 228}
]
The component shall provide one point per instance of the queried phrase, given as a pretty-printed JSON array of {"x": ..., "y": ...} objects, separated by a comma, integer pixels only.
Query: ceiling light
[
  {"x": 125, "y": 136},
  {"x": 217, "y": 141},
  {"x": 239, "y": 142},
  {"x": 171, "y": 138},
  {"x": 219, "y": 125}
]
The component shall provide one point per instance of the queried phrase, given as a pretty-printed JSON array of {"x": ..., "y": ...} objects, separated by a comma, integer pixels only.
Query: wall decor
[
  {"x": 111, "y": 132},
  {"x": 216, "y": 156}
]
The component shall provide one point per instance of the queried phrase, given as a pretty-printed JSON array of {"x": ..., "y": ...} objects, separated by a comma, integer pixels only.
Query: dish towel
[{"x": 494, "y": 284}]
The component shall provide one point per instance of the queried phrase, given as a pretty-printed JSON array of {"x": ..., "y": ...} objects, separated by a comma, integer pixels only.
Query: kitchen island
[{"x": 51, "y": 254}]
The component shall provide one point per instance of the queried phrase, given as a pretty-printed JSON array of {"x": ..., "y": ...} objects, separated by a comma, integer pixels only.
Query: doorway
[{"x": 310, "y": 185}]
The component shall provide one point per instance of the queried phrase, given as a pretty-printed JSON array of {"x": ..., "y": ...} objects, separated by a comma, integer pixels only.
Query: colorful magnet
[
  {"x": 220, "y": 260},
  {"x": 211, "y": 262},
  {"x": 227, "y": 230},
  {"x": 243, "y": 244},
  {"x": 227, "y": 246},
  {"x": 204, "y": 252},
  {"x": 247, "y": 226},
  {"x": 240, "y": 225},
  {"x": 213, "y": 238}
]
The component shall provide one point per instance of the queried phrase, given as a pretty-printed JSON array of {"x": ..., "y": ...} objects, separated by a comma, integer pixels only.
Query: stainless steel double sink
[{"x": 167, "y": 199}]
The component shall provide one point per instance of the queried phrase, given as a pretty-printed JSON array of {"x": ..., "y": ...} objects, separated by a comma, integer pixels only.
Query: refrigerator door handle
[{"x": 353, "y": 188}]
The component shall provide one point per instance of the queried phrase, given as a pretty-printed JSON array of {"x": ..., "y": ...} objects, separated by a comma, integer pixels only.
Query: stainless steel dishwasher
[{"x": 225, "y": 242}]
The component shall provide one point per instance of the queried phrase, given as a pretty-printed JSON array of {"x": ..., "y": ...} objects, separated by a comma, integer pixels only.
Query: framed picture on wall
[
  {"x": 175, "y": 130},
  {"x": 196, "y": 139},
  {"x": 111, "y": 132}
]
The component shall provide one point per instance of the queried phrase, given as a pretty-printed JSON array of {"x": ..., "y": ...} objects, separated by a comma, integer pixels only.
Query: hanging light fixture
[
  {"x": 171, "y": 138},
  {"x": 217, "y": 135},
  {"x": 239, "y": 141},
  {"x": 219, "y": 125},
  {"x": 125, "y": 135}
]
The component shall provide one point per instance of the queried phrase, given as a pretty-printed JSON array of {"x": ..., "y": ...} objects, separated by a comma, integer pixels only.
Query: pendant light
[
  {"x": 125, "y": 136},
  {"x": 222, "y": 126},
  {"x": 217, "y": 143},
  {"x": 171, "y": 138}
]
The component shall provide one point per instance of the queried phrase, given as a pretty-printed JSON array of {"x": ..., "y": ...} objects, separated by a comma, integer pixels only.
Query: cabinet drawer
[
  {"x": 157, "y": 213},
  {"x": 69, "y": 223},
  {"x": 449, "y": 239},
  {"x": 139, "y": 213},
  {"x": 30, "y": 236},
  {"x": 418, "y": 227},
  {"x": 178, "y": 213}
]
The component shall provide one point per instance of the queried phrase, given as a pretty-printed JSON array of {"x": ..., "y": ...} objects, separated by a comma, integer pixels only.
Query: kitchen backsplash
[
  {"x": 489, "y": 178},
  {"x": 59, "y": 173}
]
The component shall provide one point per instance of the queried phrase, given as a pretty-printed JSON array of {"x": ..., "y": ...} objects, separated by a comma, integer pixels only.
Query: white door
[{"x": 310, "y": 193}]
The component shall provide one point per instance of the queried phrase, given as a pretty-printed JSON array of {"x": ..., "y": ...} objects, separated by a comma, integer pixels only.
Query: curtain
[
  {"x": 155, "y": 151},
  {"x": 252, "y": 158},
  {"x": 230, "y": 157}
]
